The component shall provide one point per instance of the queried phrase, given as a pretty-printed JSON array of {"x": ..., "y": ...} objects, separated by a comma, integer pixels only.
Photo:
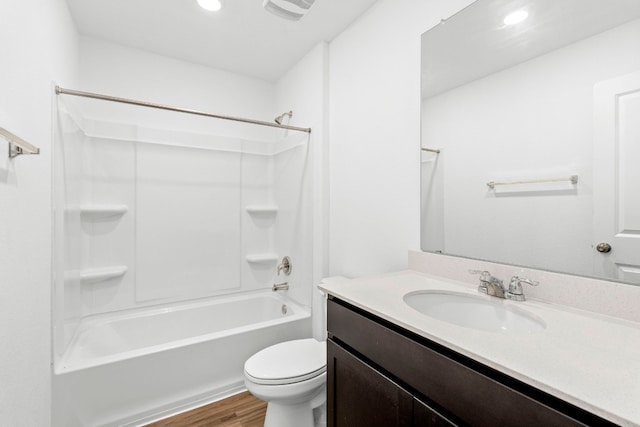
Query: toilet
[{"x": 291, "y": 377}]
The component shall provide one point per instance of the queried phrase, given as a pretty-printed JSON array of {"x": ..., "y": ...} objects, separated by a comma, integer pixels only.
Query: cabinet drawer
[{"x": 470, "y": 395}]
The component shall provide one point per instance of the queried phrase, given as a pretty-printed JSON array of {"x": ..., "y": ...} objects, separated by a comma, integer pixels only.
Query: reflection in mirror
[{"x": 531, "y": 136}]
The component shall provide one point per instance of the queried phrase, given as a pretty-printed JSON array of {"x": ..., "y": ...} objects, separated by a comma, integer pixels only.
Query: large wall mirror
[{"x": 531, "y": 136}]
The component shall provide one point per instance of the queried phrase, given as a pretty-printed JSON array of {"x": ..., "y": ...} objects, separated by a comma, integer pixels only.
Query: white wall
[
  {"x": 117, "y": 70},
  {"x": 539, "y": 125},
  {"x": 304, "y": 89},
  {"x": 375, "y": 135},
  {"x": 39, "y": 45}
]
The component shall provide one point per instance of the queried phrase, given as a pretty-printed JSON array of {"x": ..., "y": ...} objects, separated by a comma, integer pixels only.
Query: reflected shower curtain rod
[
  {"x": 63, "y": 91},
  {"x": 431, "y": 150}
]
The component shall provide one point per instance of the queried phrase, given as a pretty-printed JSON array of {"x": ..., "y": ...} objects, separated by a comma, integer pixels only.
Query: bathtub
[{"x": 138, "y": 366}]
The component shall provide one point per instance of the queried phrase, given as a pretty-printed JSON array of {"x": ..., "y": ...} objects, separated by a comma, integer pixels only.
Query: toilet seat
[{"x": 288, "y": 362}]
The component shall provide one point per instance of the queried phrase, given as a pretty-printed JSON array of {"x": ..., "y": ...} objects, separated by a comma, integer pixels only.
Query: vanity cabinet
[
  {"x": 379, "y": 374},
  {"x": 362, "y": 396}
]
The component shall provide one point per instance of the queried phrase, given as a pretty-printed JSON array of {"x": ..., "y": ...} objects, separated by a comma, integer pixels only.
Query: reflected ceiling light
[
  {"x": 210, "y": 5},
  {"x": 515, "y": 17}
]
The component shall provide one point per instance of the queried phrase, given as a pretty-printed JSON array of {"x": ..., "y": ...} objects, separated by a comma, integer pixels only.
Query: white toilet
[{"x": 291, "y": 378}]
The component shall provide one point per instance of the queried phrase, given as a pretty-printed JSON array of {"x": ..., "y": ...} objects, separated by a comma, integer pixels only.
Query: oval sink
[{"x": 475, "y": 312}]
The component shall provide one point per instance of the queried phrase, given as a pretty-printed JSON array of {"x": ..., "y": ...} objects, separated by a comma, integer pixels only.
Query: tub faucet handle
[{"x": 285, "y": 266}]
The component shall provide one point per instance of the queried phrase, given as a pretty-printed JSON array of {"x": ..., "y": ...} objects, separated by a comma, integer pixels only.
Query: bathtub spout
[{"x": 280, "y": 287}]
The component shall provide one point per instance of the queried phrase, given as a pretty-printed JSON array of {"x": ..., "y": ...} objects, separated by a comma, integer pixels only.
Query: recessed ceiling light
[
  {"x": 210, "y": 5},
  {"x": 515, "y": 17}
]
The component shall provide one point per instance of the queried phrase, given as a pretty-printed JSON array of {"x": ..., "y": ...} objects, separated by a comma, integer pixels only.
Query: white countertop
[{"x": 587, "y": 359}]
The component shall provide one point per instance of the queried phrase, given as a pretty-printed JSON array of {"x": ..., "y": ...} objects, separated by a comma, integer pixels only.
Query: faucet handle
[
  {"x": 485, "y": 276},
  {"x": 515, "y": 288},
  {"x": 284, "y": 266}
]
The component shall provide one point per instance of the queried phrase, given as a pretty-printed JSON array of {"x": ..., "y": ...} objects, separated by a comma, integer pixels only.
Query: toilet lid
[{"x": 288, "y": 362}]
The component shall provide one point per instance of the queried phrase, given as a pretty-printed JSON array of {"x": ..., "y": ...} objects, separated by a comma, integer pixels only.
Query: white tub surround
[
  {"x": 145, "y": 364},
  {"x": 588, "y": 359}
]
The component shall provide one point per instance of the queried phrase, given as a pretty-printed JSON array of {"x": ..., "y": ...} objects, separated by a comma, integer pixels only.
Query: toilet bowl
[{"x": 291, "y": 378}]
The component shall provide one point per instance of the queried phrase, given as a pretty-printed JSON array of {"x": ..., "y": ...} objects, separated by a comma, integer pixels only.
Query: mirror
[{"x": 531, "y": 136}]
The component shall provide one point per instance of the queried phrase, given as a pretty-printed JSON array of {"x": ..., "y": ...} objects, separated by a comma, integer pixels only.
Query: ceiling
[
  {"x": 242, "y": 38},
  {"x": 475, "y": 43}
]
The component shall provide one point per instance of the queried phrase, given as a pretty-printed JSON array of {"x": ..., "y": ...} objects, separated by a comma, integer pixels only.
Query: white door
[{"x": 617, "y": 178}]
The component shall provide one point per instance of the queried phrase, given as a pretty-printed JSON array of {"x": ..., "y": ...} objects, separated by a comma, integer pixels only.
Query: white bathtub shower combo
[{"x": 166, "y": 248}]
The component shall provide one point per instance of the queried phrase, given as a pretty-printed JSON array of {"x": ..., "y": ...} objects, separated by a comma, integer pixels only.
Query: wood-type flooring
[{"x": 240, "y": 410}]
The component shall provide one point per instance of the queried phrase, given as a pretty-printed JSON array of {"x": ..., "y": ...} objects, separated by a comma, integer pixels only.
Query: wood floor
[{"x": 240, "y": 410}]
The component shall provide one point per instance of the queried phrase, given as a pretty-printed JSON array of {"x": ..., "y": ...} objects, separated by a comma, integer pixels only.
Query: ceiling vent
[{"x": 292, "y": 10}]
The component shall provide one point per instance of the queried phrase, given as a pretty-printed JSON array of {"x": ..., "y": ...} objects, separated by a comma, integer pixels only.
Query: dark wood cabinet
[
  {"x": 362, "y": 396},
  {"x": 425, "y": 416},
  {"x": 379, "y": 374},
  {"x": 355, "y": 389}
]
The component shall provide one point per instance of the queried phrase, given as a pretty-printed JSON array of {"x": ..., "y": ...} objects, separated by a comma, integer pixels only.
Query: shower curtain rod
[{"x": 63, "y": 91}]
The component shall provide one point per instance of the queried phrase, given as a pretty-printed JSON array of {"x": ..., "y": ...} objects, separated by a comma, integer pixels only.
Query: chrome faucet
[
  {"x": 280, "y": 287},
  {"x": 489, "y": 284},
  {"x": 285, "y": 267},
  {"x": 493, "y": 286},
  {"x": 515, "y": 288}
]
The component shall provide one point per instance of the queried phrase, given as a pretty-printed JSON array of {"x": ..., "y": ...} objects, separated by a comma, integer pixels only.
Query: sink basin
[{"x": 475, "y": 312}]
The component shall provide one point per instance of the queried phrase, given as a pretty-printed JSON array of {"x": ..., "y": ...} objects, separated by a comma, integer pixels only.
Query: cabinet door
[
  {"x": 358, "y": 395},
  {"x": 425, "y": 416}
]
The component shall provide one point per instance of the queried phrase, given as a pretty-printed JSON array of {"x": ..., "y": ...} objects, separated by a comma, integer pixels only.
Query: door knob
[{"x": 603, "y": 248}]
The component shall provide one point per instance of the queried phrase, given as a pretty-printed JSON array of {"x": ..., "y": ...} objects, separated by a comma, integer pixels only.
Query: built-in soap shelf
[
  {"x": 95, "y": 275},
  {"x": 103, "y": 211},
  {"x": 265, "y": 258},
  {"x": 262, "y": 209}
]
